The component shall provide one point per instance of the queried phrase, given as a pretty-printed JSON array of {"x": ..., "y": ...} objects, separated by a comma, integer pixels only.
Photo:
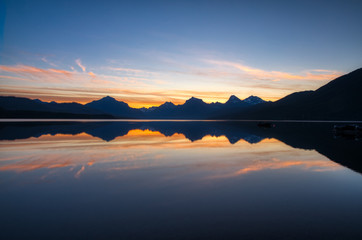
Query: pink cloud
[
  {"x": 126, "y": 70},
  {"x": 51, "y": 75},
  {"x": 79, "y": 63},
  {"x": 310, "y": 75}
]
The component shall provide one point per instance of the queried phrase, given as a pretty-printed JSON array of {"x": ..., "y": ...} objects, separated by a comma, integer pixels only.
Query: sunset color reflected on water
[{"x": 144, "y": 182}]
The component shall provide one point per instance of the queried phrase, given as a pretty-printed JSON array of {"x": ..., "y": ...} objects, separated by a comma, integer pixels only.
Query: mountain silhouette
[
  {"x": 253, "y": 100},
  {"x": 249, "y": 101},
  {"x": 17, "y": 103},
  {"x": 108, "y": 107},
  {"x": 194, "y": 108},
  {"x": 234, "y": 106},
  {"x": 233, "y": 100},
  {"x": 116, "y": 108},
  {"x": 166, "y": 109},
  {"x": 338, "y": 100},
  {"x": 26, "y": 108}
]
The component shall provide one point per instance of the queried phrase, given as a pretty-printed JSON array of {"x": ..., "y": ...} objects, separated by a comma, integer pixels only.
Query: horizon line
[{"x": 59, "y": 102}]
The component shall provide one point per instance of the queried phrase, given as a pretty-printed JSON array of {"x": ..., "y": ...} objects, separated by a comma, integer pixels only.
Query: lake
[{"x": 179, "y": 180}]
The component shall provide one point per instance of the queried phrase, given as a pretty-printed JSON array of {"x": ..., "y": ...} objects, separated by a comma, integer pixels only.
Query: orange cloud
[
  {"x": 29, "y": 69},
  {"x": 91, "y": 74},
  {"x": 13, "y": 78},
  {"x": 66, "y": 73},
  {"x": 77, "y": 175},
  {"x": 50, "y": 75}
]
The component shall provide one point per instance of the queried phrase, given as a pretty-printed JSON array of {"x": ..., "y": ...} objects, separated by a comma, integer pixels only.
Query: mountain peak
[
  {"x": 233, "y": 100},
  {"x": 253, "y": 100},
  {"x": 194, "y": 100},
  {"x": 38, "y": 101},
  {"x": 107, "y": 101},
  {"x": 107, "y": 98},
  {"x": 232, "y": 97},
  {"x": 167, "y": 104}
]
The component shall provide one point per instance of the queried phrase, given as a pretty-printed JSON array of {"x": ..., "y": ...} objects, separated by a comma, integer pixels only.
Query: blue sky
[{"x": 148, "y": 52}]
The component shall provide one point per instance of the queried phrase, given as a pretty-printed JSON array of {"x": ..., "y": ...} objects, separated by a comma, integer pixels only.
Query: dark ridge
[{"x": 23, "y": 114}]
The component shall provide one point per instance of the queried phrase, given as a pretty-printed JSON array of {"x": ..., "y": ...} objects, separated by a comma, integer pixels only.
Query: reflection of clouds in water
[
  {"x": 77, "y": 175},
  {"x": 214, "y": 157},
  {"x": 316, "y": 165}
]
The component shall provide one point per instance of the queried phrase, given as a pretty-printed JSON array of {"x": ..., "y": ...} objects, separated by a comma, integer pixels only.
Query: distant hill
[
  {"x": 115, "y": 108},
  {"x": 16, "y": 107},
  {"x": 193, "y": 108},
  {"x": 25, "y": 104},
  {"x": 340, "y": 99},
  {"x": 23, "y": 114}
]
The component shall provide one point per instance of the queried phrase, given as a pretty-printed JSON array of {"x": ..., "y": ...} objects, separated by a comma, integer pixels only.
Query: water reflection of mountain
[{"x": 317, "y": 136}]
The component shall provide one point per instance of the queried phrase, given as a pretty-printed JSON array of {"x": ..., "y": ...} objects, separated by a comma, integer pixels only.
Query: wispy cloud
[
  {"x": 13, "y": 78},
  {"x": 79, "y": 63},
  {"x": 317, "y": 165},
  {"x": 308, "y": 75},
  {"x": 28, "y": 69},
  {"x": 131, "y": 70},
  {"x": 51, "y": 77},
  {"x": 77, "y": 175},
  {"x": 44, "y": 59},
  {"x": 34, "y": 73}
]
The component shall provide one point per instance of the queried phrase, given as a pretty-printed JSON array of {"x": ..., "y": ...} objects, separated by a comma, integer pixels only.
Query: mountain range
[
  {"x": 108, "y": 107},
  {"x": 338, "y": 100}
]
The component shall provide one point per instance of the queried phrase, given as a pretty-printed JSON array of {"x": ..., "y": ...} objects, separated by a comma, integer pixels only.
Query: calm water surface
[{"x": 178, "y": 180}]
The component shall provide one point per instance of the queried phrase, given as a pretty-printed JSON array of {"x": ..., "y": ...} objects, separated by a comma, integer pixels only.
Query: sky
[{"x": 149, "y": 52}]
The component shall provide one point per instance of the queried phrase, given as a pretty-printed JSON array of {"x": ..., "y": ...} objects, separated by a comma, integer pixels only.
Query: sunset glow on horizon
[
  {"x": 208, "y": 50},
  {"x": 72, "y": 86}
]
